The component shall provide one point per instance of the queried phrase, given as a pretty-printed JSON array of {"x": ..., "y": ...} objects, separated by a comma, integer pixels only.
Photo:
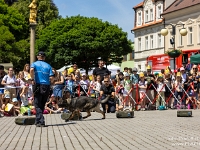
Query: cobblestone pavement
[{"x": 149, "y": 130}]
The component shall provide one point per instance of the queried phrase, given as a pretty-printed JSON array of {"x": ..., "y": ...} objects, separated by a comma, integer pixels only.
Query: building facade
[
  {"x": 188, "y": 14},
  {"x": 147, "y": 27}
]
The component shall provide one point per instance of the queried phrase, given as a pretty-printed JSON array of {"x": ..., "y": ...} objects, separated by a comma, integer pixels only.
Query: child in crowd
[
  {"x": 120, "y": 86},
  {"x": 161, "y": 91},
  {"x": 53, "y": 107},
  {"x": 142, "y": 90},
  {"x": 168, "y": 89},
  {"x": 7, "y": 106},
  {"x": 70, "y": 83},
  {"x": 179, "y": 89},
  {"x": 97, "y": 86},
  {"x": 20, "y": 83},
  {"x": 25, "y": 104},
  {"x": 127, "y": 89},
  {"x": 85, "y": 83},
  {"x": 16, "y": 106}
]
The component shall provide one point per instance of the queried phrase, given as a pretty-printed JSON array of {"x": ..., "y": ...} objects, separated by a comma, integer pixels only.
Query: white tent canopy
[{"x": 112, "y": 68}]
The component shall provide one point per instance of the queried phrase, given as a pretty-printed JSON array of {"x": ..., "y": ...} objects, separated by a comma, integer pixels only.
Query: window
[
  {"x": 151, "y": 15},
  {"x": 190, "y": 36},
  {"x": 180, "y": 40},
  {"x": 146, "y": 42},
  {"x": 139, "y": 44},
  {"x": 159, "y": 40},
  {"x": 146, "y": 16},
  {"x": 151, "y": 40},
  {"x": 133, "y": 55},
  {"x": 159, "y": 12},
  {"x": 139, "y": 18}
]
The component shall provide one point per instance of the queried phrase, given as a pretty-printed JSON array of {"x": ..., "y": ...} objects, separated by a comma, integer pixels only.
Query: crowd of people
[{"x": 128, "y": 89}]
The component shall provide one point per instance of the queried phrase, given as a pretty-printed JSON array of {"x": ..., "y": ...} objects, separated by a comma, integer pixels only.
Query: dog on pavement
[{"x": 77, "y": 104}]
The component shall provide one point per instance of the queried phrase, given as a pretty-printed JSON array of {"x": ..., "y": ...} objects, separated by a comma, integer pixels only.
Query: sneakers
[{"x": 1, "y": 114}]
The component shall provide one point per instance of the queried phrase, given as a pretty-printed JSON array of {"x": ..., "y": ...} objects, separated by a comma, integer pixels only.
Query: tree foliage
[
  {"x": 12, "y": 34},
  {"x": 82, "y": 40}
]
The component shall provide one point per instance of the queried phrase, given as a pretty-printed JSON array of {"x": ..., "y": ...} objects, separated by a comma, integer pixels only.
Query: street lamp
[{"x": 164, "y": 32}]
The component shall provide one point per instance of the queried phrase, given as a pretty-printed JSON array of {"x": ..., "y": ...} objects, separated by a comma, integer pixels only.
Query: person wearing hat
[
  {"x": 142, "y": 85},
  {"x": 127, "y": 90},
  {"x": 161, "y": 89},
  {"x": 150, "y": 78},
  {"x": 168, "y": 88},
  {"x": 42, "y": 77}
]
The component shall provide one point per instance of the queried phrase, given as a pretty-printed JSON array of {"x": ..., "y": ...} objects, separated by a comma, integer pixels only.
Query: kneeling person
[{"x": 108, "y": 89}]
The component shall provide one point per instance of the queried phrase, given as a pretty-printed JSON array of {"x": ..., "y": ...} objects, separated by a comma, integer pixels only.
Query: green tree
[
  {"x": 82, "y": 40},
  {"x": 12, "y": 34}
]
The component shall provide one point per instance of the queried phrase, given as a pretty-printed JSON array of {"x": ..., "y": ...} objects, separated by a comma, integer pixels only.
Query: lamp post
[{"x": 164, "y": 32}]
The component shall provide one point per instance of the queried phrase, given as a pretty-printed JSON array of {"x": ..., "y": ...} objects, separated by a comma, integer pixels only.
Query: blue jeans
[{"x": 181, "y": 95}]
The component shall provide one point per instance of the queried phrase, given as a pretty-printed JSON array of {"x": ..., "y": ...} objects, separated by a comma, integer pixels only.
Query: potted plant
[{"x": 173, "y": 53}]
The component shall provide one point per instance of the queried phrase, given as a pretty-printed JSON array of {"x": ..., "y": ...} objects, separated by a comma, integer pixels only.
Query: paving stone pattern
[{"x": 148, "y": 130}]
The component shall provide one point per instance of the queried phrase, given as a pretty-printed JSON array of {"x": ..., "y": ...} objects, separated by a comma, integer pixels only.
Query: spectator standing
[
  {"x": 150, "y": 78},
  {"x": 41, "y": 76},
  {"x": 125, "y": 70},
  {"x": 58, "y": 84},
  {"x": 179, "y": 88},
  {"x": 161, "y": 90},
  {"x": 9, "y": 82},
  {"x": 135, "y": 79},
  {"x": 101, "y": 70},
  {"x": 142, "y": 90}
]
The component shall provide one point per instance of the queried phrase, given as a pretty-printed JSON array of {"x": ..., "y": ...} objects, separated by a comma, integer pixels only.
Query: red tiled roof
[
  {"x": 146, "y": 25},
  {"x": 180, "y": 4},
  {"x": 139, "y": 5}
]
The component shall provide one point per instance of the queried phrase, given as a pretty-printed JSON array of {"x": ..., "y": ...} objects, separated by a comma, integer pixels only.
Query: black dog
[{"x": 75, "y": 105}]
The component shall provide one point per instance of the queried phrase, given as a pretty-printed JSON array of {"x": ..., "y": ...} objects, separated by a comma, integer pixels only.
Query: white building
[
  {"x": 147, "y": 26},
  {"x": 187, "y": 13}
]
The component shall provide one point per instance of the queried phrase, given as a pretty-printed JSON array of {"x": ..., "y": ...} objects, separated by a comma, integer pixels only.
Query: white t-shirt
[
  {"x": 9, "y": 80},
  {"x": 24, "y": 100},
  {"x": 142, "y": 84},
  {"x": 85, "y": 84},
  {"x": 160, "y": 87},
  {"x": 97, "y": 86},
  {"x": 179, "y": 86}
]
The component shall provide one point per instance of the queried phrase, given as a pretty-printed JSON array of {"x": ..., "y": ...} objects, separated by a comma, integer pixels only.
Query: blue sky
[{"x": 118, "y": 12}]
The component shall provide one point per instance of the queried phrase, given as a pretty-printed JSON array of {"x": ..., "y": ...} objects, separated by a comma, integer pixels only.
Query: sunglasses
[
  {"x": 105, "y": 81},
  {"x": 194, "y": 68}
]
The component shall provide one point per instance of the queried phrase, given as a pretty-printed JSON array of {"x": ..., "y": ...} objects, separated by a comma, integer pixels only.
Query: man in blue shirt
[{"x": 41, "y": 76}]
